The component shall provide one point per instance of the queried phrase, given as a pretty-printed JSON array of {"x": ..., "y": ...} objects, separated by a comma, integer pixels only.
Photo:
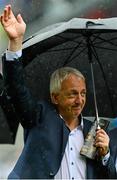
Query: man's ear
[{"x": 54, "y": 98}]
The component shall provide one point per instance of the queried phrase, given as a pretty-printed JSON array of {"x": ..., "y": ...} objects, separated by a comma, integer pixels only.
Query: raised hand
[{"x": 14, "y": 27}]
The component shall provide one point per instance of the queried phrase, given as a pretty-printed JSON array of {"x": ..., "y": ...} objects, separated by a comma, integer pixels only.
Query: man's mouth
[{"x": 77, "y": 107}]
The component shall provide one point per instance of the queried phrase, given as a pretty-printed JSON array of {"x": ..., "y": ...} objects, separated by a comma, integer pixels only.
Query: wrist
[
  {"x": 15, "y": 44},
  {"x": 103, "y": 151}
]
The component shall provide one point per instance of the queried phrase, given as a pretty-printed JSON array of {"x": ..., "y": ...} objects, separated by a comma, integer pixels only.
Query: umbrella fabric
[{"x": 67, "y": 44}]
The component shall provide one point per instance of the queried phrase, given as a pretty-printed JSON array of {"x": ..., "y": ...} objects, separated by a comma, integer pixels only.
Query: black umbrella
[{"x": 86, "y": 44}]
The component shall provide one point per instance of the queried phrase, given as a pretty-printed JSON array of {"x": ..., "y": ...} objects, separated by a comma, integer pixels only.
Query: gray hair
[{"x": 61, "y": 74}]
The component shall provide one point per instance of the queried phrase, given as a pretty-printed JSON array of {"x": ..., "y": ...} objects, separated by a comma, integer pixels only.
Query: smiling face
[{"x": 70, "y": 100}]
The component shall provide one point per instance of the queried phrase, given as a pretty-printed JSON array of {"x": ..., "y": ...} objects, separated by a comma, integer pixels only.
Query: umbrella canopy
[{"x": 76, "y": 43}]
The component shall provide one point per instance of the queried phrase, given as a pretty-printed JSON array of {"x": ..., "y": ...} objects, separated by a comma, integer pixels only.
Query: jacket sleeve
[
  {"x": 110, "y": 169},
  {"x": 14, "y": 84},
  {"x": 111, "y": 164}
]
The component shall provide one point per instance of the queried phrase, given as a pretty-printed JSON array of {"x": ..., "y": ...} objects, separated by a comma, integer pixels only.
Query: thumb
[{"x": 19, "y": 18}]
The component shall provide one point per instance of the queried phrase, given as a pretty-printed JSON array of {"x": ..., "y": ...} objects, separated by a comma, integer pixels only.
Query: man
[{"x": 54, "y": 132}]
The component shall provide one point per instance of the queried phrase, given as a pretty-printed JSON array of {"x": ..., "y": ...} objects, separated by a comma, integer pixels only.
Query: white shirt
[{"x": 73, "y": 165}]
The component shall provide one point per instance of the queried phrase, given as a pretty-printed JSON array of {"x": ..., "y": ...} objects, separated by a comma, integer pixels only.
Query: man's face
[{"x": 71, "y": 99}]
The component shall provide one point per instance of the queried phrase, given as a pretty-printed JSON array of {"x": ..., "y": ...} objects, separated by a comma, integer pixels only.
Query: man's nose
[{"x": 78, "y": 99}]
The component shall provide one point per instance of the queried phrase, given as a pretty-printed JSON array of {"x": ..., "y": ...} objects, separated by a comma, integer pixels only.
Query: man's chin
[
  {"x": 77, "y": 110},
  {"x": 76, "y": 114}
]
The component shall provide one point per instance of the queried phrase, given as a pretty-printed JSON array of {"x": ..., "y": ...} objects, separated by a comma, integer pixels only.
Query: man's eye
[
  {"x": 71, "y": 95},
  {"x": 83, "y": 94}
]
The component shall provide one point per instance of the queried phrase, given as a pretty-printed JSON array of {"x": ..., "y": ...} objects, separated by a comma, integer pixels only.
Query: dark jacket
[
  {"x": 113, "y": 146},
  {"x": 45, "y": 133}
]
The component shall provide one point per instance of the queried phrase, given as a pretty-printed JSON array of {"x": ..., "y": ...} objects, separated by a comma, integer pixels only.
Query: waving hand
[{"x": 14, "y": 27}]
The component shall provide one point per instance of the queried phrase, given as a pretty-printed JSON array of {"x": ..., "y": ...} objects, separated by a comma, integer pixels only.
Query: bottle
[{"x": 88, "y": 149}]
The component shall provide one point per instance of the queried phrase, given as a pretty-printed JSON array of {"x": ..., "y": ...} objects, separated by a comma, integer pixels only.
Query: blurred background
[{"x": 39, "y": 14}]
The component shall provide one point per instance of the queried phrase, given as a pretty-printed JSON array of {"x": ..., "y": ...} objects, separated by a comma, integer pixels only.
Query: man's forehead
[
  {"x": 74, "y": 83},
  {"x": 75, "y": 78}
]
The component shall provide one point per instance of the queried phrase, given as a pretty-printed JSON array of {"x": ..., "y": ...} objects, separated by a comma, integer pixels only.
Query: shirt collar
[{"x": 81, "y": 121}]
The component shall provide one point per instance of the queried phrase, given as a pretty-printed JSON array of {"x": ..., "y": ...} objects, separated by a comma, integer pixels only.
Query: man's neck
[{"x": 72, "y": 123}]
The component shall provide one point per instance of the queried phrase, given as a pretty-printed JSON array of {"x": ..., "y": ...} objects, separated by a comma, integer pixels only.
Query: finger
[
  {"x": 103, "y": 140},
  {"x": 101, "y": 151},
  {"x": 19, "y": 18},
  {"x": 100, "y": 144},
  {"x": 101, "y": 131},
  {"x": 10, "y": 12},
  {"x": 5, "y": 14},
  {"x": 102, "y": 136},
  {"x": 99, "y": 139},
  {"x": 1, "y": 19}
]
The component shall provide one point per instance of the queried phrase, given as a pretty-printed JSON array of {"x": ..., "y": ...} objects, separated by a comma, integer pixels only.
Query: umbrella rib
[
  {"x": 104, "y": 40},
  {"x": 72, "y": 40},
  {"x": 68, "y": 59},
  {"x": 77, "y": 54},
  {"x": 62, "y": 49},
  {"x": 66, "y": 39},
  {"x": 75, "y": 39},
  {"x": 108, "y": 90},
  {"x": 100, "y": 47}
]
